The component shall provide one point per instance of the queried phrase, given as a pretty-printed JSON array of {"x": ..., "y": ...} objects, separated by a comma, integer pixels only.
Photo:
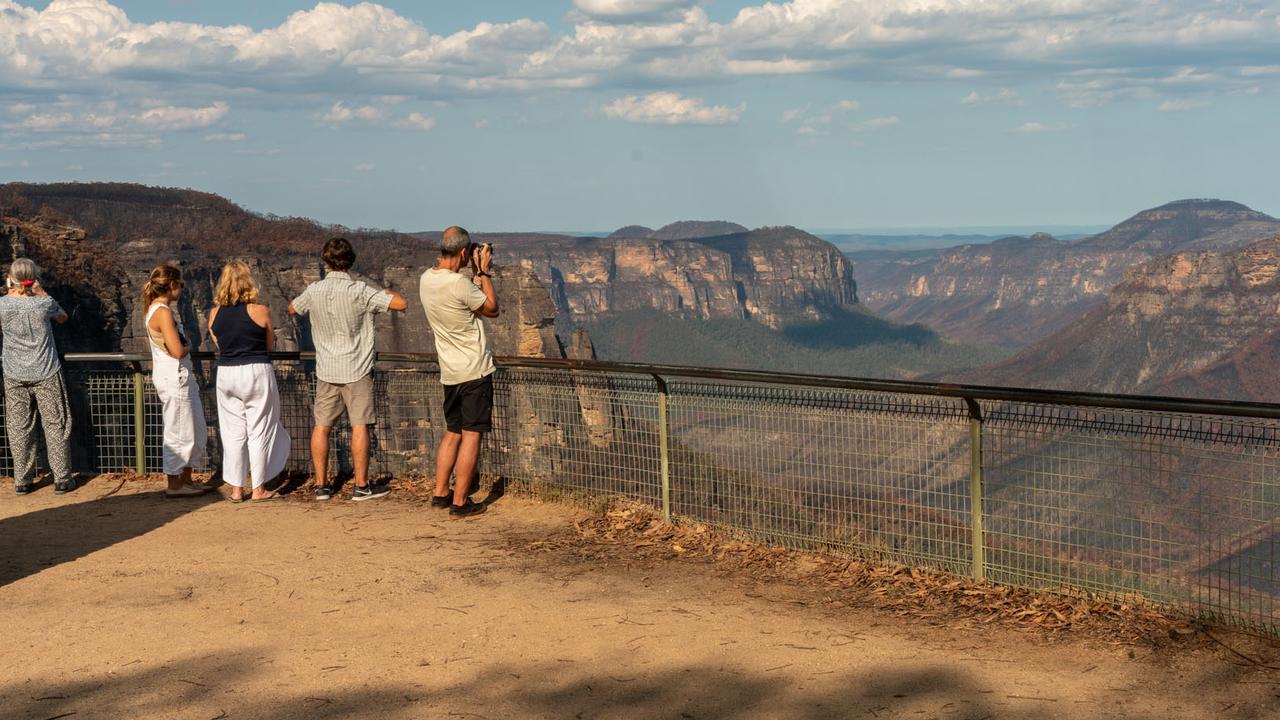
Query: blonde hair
[
  {"x": 24, "y": 272},
  {"x": 236, "y": 286},
  {"x": 161, "y": 282}
]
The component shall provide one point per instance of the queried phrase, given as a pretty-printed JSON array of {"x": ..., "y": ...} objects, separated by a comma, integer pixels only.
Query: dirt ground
[{"x": 122, "y": 604}]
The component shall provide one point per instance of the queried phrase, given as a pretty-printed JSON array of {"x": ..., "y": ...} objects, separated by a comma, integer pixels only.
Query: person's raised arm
[
  {"x": 301, "y": 304},
  {"x": 162, "y": 321},
  {"x": 484, "y": 264},
  {"x": 58, "y": 317},
  {"x": 398, "y": 303}
]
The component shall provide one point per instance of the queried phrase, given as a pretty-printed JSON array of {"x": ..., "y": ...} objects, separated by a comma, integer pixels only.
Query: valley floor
[{"x": 122, "y": 604}]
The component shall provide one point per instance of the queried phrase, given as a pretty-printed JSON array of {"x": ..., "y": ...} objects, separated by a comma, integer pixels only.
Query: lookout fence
[{"x": 1172, "y": 500}]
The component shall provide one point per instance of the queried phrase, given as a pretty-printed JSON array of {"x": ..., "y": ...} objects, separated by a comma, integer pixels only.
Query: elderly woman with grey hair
[{"x": 33, "y": 379}]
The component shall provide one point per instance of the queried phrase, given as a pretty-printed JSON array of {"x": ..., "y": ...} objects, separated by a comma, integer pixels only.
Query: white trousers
[
  {"x": 185, "y": 432},
  {"x": 255, "y": 445}
]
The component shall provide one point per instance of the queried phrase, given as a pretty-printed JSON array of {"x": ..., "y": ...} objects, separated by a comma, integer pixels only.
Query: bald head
[{"x": 454, "y": 241}]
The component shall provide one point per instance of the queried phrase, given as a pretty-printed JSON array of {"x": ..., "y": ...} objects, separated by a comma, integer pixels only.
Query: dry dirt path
[{"x": 132, "y": 606}]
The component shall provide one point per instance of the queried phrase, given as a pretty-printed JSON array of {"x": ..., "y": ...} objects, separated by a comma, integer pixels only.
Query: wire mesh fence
[{"x": 1180, "y": 508}]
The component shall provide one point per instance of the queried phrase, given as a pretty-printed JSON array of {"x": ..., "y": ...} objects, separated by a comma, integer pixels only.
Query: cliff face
[
  {"x": 1018, "y": 290},
  {"x": 774, "y": 276},
  {"x": 96, "y": 269},
  {"x": 1190, "y": 322}
]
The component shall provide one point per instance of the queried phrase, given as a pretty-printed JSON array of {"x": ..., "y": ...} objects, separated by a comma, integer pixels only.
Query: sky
[{"x": 587, "y": 115}]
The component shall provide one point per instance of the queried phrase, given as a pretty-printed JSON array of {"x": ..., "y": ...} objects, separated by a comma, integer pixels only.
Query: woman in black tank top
[{"x": 255, "y": 445}]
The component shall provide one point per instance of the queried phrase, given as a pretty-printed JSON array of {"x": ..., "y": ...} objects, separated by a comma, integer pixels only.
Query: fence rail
[{"x": 1171, "y": 499}]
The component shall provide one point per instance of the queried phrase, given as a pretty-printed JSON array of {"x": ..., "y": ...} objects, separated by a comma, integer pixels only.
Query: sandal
[
  {"x": 274, "y": 494},
  {"x": 186, "y": 491}
]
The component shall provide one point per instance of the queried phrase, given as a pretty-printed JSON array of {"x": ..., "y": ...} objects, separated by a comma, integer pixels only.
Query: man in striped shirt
[{"x": 341, "y": 310}]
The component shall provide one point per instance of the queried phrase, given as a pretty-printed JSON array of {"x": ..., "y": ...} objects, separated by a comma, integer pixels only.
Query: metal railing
[{"x": 1175, "y": 501}]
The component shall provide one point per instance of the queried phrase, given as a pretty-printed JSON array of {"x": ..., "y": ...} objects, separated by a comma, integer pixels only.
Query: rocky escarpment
[
  {"x": 775, "y": 276},
  {"x": 1015, "y": 291},
  {"x": 98, "y": 243},
  {"x": 1186, "y": 322}
]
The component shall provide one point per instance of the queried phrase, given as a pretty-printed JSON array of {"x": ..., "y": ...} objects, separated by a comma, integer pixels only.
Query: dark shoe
[
  {"x": 369, "y": 492},
  {"x": 24, "y": 489},
  {"x": 62, "y": 487},
  {"x": 441, "y": 502},
  {"x": 323, "y": 492},
  {"x": 466, "y": 509}
]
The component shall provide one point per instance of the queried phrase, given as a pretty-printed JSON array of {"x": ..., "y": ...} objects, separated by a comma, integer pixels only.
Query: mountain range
[
  {"x": 1177, "y": 300},
  {"x": 1018, "y": 290},
  {"x": 1191, "y": 323}
]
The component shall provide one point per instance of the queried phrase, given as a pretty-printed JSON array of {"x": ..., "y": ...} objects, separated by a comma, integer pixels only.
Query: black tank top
[{"x": 241, "y": 341}]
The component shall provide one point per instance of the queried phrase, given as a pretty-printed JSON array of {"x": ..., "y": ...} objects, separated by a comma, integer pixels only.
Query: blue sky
[{"x": 592, "y": 114}]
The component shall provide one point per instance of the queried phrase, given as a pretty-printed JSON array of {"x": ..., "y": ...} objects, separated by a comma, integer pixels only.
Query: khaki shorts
[{"x": 356, "y": 398}]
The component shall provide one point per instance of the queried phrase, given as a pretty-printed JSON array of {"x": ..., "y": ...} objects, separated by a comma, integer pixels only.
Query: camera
[{"x": 475, "y": 254}]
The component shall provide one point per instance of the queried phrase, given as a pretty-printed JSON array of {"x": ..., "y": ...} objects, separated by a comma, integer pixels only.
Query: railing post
[
  {"x": 979, "y": 571},
  {"x": 139, "y": 422},
  {"x": 664, "y": 447}
]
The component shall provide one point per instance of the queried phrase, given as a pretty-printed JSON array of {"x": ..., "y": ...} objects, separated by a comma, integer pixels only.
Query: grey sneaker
[
  {"x": 24, "y": 488},
  {"x": 369, "y": 492},
  {"x": 323, "y": 492},
  {"x": 62, "y": 487}
]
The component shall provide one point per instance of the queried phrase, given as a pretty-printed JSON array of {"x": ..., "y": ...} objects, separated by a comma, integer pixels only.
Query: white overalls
[{"x": 185, "y": 432}]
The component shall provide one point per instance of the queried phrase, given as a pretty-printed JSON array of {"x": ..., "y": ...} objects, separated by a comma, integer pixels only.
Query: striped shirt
[{"x": 341, "y": 312}]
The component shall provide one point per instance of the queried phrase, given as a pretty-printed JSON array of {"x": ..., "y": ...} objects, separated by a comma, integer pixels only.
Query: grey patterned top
[
  {"x": 341, "y": 311},
  {"x": 29, "y": 354}
]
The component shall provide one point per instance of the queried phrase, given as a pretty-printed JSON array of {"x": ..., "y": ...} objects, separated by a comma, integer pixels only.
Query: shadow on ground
[
  {"x": 43, "y": 538},
  {"x": 224, "y": 687}
]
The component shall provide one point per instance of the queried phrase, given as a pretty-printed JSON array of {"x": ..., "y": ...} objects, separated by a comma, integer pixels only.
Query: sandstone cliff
[
  {"x": 774, "y": 276},
  {"x": 1015, "y": 291},
  {"x": 1189, "y": 322}
]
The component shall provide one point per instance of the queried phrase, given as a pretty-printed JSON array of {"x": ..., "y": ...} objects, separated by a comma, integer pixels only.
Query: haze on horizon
[{"x": 591, "y": 114}]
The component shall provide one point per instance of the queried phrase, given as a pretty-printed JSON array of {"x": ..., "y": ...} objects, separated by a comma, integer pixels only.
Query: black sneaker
[
  {"x": 442, "y": 502},
  {"x": 369, "y": 492},
  {"x": 24, "y": 488},
  {"x": 323, "y": 492},
  {"x": 466, "y": 509},
  {"x": 62, "y": 487}
]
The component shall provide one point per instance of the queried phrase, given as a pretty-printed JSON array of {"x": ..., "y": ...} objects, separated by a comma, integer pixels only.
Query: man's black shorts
[{"x": 469, "y": 406}]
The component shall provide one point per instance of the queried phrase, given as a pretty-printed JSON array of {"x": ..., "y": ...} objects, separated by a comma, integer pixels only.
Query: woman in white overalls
[{"x": 185, "y": 433}]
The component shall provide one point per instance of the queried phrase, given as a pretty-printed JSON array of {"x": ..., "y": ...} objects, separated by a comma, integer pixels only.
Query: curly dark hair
[{"x": 338, "y": 254}]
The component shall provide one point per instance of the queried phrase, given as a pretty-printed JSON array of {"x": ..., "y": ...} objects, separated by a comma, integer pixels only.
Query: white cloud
[
  {"x": 225, "y": 137},
  {"x": 668, "y": 108},
  {"x": 419, "y": 121},
  {"x": 171, "y": 117},
  {"x": 1000, "y": 95},
  {"x": 364, "y": 167},
  {"x": 629, "y": 9},
  {"x": 482, "y": 123},
  {"x": 848, "y": 105},
  {"x": 15, "y": 164},
  {"x": 1029, "y": 128},
  {"x": 1181, "y": 104},
  {"x": 1093, "y": 51},
  {"x": 340, "y": 113},
  {"x": 877, "y": 123}
]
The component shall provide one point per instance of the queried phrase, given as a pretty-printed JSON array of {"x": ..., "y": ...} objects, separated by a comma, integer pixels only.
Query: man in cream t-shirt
[{"x": 455, "y": 306}]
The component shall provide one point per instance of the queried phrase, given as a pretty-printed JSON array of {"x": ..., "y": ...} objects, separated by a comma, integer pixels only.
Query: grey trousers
[{"x": 21, "y": 399}]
